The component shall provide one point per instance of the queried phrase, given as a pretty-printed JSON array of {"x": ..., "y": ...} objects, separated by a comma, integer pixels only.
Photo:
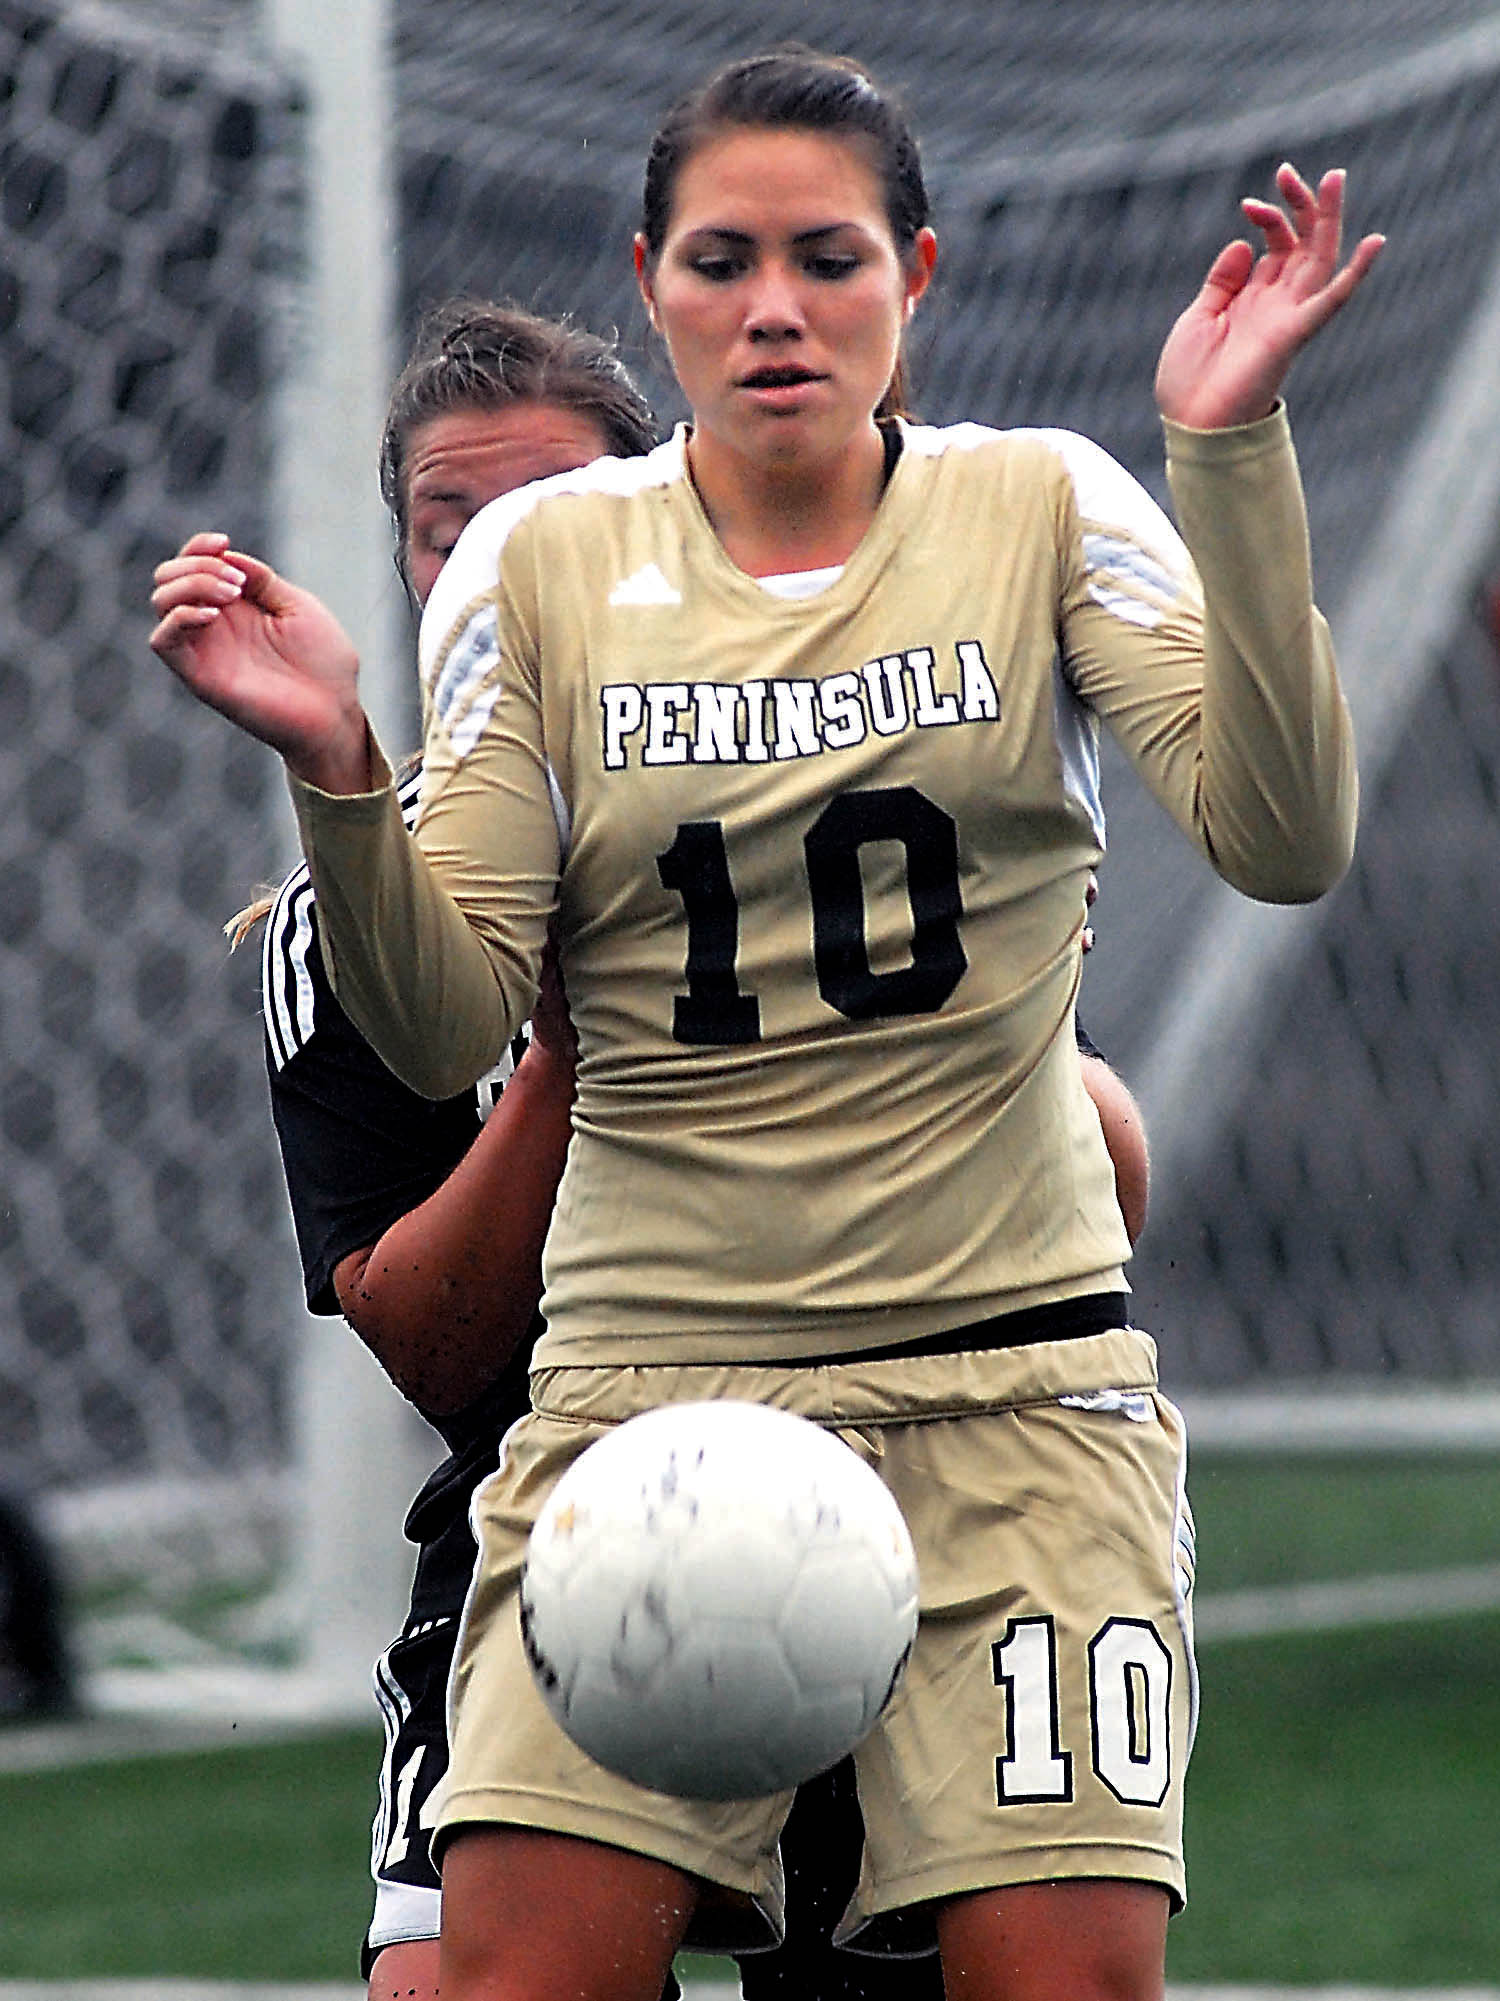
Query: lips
[{"x": 778, "y": 378}]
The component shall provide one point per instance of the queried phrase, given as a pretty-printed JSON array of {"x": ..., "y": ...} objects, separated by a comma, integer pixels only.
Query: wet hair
[
  {"x": 794, "y": 88},
  {"x": 470, "y": 354}
]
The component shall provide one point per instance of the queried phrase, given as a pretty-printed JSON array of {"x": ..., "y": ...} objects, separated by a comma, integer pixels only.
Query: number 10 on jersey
[{"x": 696, "y": 867}]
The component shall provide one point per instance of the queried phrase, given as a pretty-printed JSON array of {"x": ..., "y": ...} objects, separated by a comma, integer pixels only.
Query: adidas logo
[{"x": 646, "y": 586}]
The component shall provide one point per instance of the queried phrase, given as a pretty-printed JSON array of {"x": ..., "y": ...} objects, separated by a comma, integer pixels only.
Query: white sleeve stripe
[
  {"x": 473, "y": 655},
  {"x": 286, "y": 983},
  {"x": 466, "y": 732},
  {"x": 288, "y": 1001},
  {"x": 1115, "y": 564}
]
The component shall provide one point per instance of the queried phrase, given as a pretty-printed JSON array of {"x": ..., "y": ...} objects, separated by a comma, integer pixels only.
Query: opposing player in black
[
  {"x": 362, "y": 1154},
  {"x": 387, "y": 1187}
]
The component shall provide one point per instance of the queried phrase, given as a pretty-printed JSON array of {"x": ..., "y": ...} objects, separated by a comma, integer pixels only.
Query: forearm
[
  {"x": 1276, "y": 785},
  {"x": 450, "y": 1289},
  {"x": 401, "y": 956}
]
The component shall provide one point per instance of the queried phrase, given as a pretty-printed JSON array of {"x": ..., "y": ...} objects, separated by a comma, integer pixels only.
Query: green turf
[
  {"x": 236, "y": 1864},
  {"x": 1340, "y": 1809},
  {"x": 1274, "y": 1521}
]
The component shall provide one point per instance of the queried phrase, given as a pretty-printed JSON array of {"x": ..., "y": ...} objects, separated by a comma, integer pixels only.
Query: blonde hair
[{"x": 243, "y": 922}]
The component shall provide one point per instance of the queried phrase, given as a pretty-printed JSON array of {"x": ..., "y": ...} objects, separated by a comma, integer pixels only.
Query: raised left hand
[{"x": 1227, "y": 356}]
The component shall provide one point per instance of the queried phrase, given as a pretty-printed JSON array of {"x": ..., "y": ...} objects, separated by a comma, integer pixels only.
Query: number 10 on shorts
[{"x": 1130, "y": 1705}]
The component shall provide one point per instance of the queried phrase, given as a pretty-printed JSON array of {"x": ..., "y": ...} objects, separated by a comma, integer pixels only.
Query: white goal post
[{"x": 360, "y": 1451}]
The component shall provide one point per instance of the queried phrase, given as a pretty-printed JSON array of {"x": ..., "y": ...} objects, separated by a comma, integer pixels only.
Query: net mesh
[
  {"x": 1086, "y": 162},
  {"x": 144, "y": 234}
]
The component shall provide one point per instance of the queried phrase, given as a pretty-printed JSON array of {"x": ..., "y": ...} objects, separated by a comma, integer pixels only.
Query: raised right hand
[{"x": 270, "y": 657}]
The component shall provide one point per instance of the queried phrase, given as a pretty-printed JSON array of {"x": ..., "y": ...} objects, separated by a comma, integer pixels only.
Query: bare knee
[
  {"x": 526, "y": 1912},
  {"x": 1093, "y": 1941},
  {"x": 405, "y": 1972}
]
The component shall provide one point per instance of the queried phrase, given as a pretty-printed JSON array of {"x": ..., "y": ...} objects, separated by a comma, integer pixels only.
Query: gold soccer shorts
[{"x": 1043, "y": 1727}]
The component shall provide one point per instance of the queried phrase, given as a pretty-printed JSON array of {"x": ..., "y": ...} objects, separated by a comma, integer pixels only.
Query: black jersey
[{"x": 360, "y": 1148}]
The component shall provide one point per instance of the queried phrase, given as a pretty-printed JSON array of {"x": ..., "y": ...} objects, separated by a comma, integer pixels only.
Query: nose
[{"x": 773, "y": 310}]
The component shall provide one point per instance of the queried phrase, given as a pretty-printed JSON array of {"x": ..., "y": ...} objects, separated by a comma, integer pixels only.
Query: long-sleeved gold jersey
[{"x": 818, "y": 864}]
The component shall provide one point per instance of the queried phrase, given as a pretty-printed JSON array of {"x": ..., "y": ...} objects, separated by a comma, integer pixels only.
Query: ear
[
  {"x": 643, "y": 280},
  {"x": 919, "y": 269}
]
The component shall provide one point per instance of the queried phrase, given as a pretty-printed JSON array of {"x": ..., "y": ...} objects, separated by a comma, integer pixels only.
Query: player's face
[
  {"x": 781, "y": 293},
  {"x": 458, "y": 463}
]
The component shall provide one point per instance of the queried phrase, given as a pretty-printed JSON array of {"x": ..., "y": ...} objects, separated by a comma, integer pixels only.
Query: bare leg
[
  {"x": 406, "y": 1972},
  {"x": 531, "y": 1916},
  {"x": 1039, "y": 1941}
]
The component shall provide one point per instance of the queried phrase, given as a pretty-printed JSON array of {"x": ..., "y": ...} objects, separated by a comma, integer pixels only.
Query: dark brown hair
[
  {"x": 470, "y": 354},
  {"x": 798, "y": 89}
]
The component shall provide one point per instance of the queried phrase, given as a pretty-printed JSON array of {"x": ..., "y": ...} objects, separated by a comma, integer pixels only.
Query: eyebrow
[
  {"x": 741, "y": 236},
  {"x": 444, "y": 497}
]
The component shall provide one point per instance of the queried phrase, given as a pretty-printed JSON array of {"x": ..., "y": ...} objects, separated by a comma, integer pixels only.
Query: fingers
[
  {"x": 207, "y": 542},
  {"x": 1279, "y": 234},
  {"x": 261, "y": 581},
  {"x": 1314, "y": 226},
  {"x": 199, "y": 582},
  {"x": 1228, "y": 276},
  {"x": 1365, "y": 252},
  {"x": 1302, "y": 246},
  {"x": 1341, "y": 287},
  {"x": 206, "y": 573},
  {"x": 1314, "y": 223},
  {"x": 210, "y": 552},
  {"x": 172, "y": 637}
]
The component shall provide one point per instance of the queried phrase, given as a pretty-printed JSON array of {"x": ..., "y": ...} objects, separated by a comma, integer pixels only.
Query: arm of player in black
[
  {"x": 1124, "y": 1135},
  {"x": 423, "y": 1228},
  {"x": 453, "y": 1285},
  {"x": 1119, "y": 1114}
]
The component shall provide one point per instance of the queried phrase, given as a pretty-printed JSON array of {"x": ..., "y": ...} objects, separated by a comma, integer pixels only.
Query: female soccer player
[
  {"x": 426, "y": 1231},
  {"x": 791, "y": 727},
  {"x": 423, "y": 1229}
]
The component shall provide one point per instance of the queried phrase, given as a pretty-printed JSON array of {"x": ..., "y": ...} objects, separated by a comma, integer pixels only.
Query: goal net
[
  {"x": 147, "y": 226},
  {"x": 1316, "y": 1082},
  {"x": 1320, "y": 1086}
]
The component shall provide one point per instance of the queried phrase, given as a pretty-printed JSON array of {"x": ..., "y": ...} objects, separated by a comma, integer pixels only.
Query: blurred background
[{"x": 177, "y": 182}]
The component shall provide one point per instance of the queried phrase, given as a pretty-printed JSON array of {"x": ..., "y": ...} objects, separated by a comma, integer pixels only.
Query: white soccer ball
[{"x": 719, "y": 1600}]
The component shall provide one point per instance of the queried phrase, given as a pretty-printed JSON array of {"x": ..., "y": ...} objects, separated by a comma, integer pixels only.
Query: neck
[{"x": 776, "y": 518}]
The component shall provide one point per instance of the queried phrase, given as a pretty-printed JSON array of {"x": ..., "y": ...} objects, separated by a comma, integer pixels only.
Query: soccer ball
[{"x": 719, "y": 1599}]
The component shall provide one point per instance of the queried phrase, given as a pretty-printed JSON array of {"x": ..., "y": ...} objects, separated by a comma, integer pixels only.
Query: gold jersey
[{"x": 818, "y": 864}]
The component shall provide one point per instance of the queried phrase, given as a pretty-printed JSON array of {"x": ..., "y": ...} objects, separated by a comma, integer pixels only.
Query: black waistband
[{"x": 1057, "y": 1320}]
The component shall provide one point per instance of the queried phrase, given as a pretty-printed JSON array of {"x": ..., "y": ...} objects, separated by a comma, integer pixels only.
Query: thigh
[
  {"x": 1099, "y": 1941},
  {"x": 1043, "y": 1729},
  {"x": 530, "y": 1913},
  {"x": 512, "y": 1766},
  {"x": 407, "y": 1972}
]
